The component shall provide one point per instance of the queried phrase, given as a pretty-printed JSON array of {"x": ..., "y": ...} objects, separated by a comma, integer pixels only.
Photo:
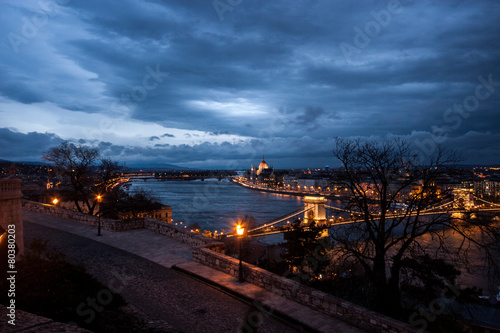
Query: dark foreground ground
[{"x": 162, "y": 294}]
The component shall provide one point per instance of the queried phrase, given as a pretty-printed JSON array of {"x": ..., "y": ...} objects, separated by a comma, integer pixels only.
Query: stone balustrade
[
  {"x": 210, "y": 253},
  {"x": 363, "y": 318},
  {"x": 10, "y": 188},
  {"x": 156, "y": 226},
  {"x": 106, "y": 224},
  {"x": 180, "y": 234},
  {"x": 10, "y": 209}
]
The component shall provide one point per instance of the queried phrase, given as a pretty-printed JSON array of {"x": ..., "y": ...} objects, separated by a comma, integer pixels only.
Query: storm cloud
[{"x": 181, "y": 82}]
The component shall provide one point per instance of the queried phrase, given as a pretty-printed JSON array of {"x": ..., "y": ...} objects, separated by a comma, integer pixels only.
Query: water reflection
[{"x": 216, "y": 206}]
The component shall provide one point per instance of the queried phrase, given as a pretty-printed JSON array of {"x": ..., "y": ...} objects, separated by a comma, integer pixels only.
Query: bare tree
[
  {"x": 384, "y": 177},
  {"x": 107, "y": 172},
  {"x": 119, "y": 203},
  {"x": 77, "y": 166}
]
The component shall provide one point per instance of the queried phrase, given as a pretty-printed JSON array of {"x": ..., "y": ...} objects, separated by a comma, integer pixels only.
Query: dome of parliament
[{"x": 263, "y": 165}]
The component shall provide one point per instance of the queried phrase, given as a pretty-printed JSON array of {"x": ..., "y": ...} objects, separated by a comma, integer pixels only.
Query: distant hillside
[
  {"x": 23, "y": 162},
  {"x": 154, "y": 166},
  {"x": 131, "y": 165},
  {"x": 471, "y": 166}
]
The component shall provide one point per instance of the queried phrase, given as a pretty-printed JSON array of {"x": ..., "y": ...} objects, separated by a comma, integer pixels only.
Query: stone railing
[
  {"x": 10, "y": 185},
  {"x": 156, "y": 226},
  {"x": 10, "y": 188},
  {"x": 363, "y": 318},
  {"x": 182, "y": 235},
  {"x": 106, "y": 224},
  {"x": 11, "y": 210}
]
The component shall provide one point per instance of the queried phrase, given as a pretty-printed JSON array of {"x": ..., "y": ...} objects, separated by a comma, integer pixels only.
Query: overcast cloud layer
[{"x": 218, "y": 84}]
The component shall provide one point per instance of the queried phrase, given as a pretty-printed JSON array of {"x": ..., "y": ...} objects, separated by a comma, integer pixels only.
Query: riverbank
[
  {"x": 216, "y": 205},
  {"x": 287, "y": 192},
  {"x": 120, "y": 183}
]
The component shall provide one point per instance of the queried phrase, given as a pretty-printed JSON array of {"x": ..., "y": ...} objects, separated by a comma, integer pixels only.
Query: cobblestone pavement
[
  {"x": 29, "y": 323},
  {"x": 185, "y": 304},
  {"x": 158, "y": 248}
]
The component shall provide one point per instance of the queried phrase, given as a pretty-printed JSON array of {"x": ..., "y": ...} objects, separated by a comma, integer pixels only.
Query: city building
[
  {"x": 487, "y": 188},
  {"x": 262, "y": 166},
  {"x": 265, "y": 175}
]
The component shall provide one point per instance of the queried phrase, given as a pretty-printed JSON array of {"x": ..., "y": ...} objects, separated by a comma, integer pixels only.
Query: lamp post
[
  {"x": 99, "y": 216},
  {"x": 239, "y": 231}
]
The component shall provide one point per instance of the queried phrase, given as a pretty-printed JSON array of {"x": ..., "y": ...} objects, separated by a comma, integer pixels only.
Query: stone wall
[
  {"x": 159, "y": 227},
  {"x": 10, "y": 208},
  {"x": 361, "y": 317},
  {"x": 210, "y": 253},
  {"x": 106, "y": 224},
  {"x": 182, "y": 235}
]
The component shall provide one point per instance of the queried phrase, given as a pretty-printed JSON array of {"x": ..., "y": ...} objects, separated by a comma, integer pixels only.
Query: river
[{"x": 217, "y": 205}]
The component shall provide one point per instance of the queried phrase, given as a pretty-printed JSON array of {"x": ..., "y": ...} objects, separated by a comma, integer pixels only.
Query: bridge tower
[
  {"x": 317, "y": 213},
  {"x": 463, "y": 199}
]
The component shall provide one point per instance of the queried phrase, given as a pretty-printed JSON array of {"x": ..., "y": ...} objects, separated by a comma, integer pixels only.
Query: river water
[{"x": 217, "y": 205}]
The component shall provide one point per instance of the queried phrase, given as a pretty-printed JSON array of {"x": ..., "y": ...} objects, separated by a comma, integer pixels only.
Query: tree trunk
[
  {"x": 394, "y": 291},
  {"x": 77, "y": 204},
  {"x": 378, "y": 296}
]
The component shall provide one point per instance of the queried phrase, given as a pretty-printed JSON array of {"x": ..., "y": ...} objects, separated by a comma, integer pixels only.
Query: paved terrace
[{"x": 169, "y": 253}]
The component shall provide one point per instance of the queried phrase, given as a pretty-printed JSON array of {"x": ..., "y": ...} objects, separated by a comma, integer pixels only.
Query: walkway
[
  {"x": 171, "y": 253},
  {"x": 29, "y": 323},
  {"x": 144, "y": 243}
]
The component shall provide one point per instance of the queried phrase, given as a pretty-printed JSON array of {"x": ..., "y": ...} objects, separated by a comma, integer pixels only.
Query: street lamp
[
  {"x": 99, "y": 215},
  {"x": 239, "y": 231},
  {"x": 55, "y": 201}
]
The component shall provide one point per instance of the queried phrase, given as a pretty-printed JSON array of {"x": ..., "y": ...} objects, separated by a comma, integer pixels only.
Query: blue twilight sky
[{"x": 218, "y": 84}]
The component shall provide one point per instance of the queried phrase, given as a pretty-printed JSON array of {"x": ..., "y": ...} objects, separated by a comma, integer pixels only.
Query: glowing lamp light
[
  {"x": 239, "y": 230},
  {"x": 55, "y": 201}
]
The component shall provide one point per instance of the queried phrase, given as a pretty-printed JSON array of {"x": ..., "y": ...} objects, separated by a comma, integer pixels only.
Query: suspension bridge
[{"x": 326, "y": 216}]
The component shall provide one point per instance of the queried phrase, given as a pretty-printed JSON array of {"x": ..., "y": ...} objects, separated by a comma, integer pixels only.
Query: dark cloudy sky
[{"x": 217, "y": 84}]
